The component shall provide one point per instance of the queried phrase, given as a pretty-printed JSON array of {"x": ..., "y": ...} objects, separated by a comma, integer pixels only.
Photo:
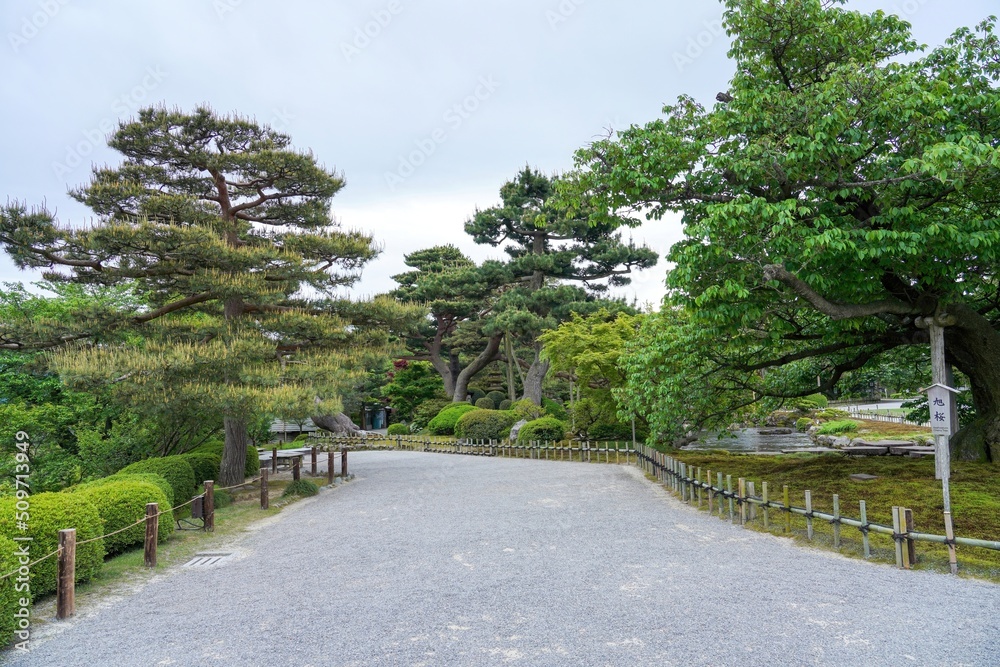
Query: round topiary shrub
[
  {"x": 820, "y": 400},
  {"x": 475, "y": 395},
  {"x": 178, "y": 474},
  {"x": 151, "y": 478},
  {"x": 545, "y": 429},
  {"x": 485, "y": 424},
  {"x": 496, "y": 396},
  {"x": 216, "y": 447},
  {"x": 444, "y": 423},
  {"x": 121, "y": 503},
  {"x": 803, "y": 424},
  {"x": 526, "y": 409},
  {"x": 302, "y": 487},
  {"x": 210, "y": 447},
  {"x": 427, "y": 411},
  {"x": 50, "y": 513},
  {"x": 486, "y": 404},
  {"x": 398, "y": 429},
  {"x": 505, "y": 404},
  {"x": 204, "y": 465},
  {"x": 9, "y": 596},
  {"x": 253, "y": 462},
  {"x": 554, "y": 409}
]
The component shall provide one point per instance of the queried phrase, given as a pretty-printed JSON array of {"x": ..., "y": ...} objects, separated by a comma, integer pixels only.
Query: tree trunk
[
  {"x": 234, "y": 453},
  {"x": 535, "y": 377},
  {"x": 973, "y": 345},
  {"x": 339, "y": 424},
  {"x": 482, "y": 361}
]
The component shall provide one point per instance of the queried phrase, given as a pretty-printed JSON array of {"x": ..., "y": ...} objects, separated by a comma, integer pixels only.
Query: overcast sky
[{"x": 425, "y": 107}]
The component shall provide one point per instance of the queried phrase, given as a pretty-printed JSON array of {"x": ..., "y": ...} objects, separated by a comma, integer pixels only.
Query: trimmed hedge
[
  {"x": 426, "y": 411},
  {"x": 486, "y": 404},
  {"x": 444, "y": 423},
  {"x": 50, "y": 513},
  {"x": 398, "y": 429},
  {"x": 122, "y": 502},
  {"x": 9, "y": 596},
  {"x": 217, "y": 446},
  {"x": 204, "y": 465},
  {"x": 546, "y": 429},
  {"x": 496, "y": 396},
  {"x": 505, "y": 404},
  {"x": 485, "y": 425},
  {"x": 527, "y": 410},
  {"x": 302, "y": 487},
  {"x": 178, "y": 473},
  {"x": 253, "y": 462},
  {"x": 554, "y": 409}
]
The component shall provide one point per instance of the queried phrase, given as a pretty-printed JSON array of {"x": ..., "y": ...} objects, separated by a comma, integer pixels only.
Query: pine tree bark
[
  {"x": 485, "y": 357},
  {"x": 535, "y": 377},
  {"x": 234, "y": 453}
]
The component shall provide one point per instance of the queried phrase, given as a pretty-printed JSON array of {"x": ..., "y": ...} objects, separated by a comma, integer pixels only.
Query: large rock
[
  {"x": 842, "y": 441},
  {"x": 515, "y": 429}
]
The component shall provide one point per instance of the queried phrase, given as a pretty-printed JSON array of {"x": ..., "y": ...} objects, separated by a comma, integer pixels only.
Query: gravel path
[{"x": 430, "y": 559}]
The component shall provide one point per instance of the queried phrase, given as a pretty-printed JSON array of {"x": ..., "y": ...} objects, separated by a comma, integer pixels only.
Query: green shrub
[
  {"x": 617, "y": 431},
  {"x": 505, "y": 404},
  {"x": 152, "y": 478},
  {"x": 122, "y": 502},
  {"x": 554, "y": 409},
  {"x": 544, "y": 429},
  {"x": 9, "y": 596},
  {"x": 526, "y": 409},
  {"x": 833, "y": 413},
  {"x": 50, "y": 513},
  {"x": 178, "y": 473},
  {"x": 217, "y": 447},
  {"x": 302, "y": 487},
  {"x": 496, "y": 396},
  {"x": 820, "y": 400},
  {"x": 398, "y": 429},
  {"x": 204, "y": 465},
  {"x": 485, "y": 425},
  {"x": 444, "y": 423},
  {"x": 222, "y": 498},
  {"x": 253, "y": 462},
  {"x": 837, "y": 427},
  {"x": 475, "y": 395},
  {"x": 486, "y": 404},
  {"x": 210, "y": 447},
  {"x": 428, "y": 410},
  {"x": 803, "y": 424}
]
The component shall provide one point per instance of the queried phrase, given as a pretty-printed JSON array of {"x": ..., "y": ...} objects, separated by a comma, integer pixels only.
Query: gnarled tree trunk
[
  {"x": 234, "y": 453},
  {"x": 479, "y": 363},
  {"x": 535, "y": 376},
  {"x": 338, "y": 424},
  {"x": 973, "y": 345}
]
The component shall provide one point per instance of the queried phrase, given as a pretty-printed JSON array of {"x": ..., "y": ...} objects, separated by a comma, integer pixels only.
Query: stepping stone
[
  {"x": 863, "y": 477},
  {"x": 865, "y": 450}
]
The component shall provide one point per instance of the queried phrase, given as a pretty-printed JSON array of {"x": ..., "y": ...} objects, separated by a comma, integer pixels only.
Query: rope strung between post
[{"x": 35, "y": 562}]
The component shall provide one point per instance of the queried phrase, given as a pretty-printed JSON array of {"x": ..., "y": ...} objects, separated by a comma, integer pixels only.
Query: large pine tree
[{"x": 227, "y": 233}]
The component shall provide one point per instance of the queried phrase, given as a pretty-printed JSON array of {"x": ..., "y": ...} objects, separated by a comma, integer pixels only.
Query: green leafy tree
[
  {"x": 562, "y": 258},
  {"x": 411, "y": 384},
  {"x": 460, "y": 338},
  {"x": 838, "y": 199},
  {"x": 221, "y": 226}
]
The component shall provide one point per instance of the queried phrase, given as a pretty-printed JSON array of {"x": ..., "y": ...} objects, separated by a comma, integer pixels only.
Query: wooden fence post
[
  {"x": 742, "y": 487},
  {"x": 897, "y": 531},
  {"x": 296, "y": 473},
  {"x": 911, "y": 544},
  {"x": 312, "y": 455},
  {"x": 343, "y": 463},
  {"x": 719, "y": 478},
  {"x": 66, "y": 578},
  {"x": 949, "y": 533},
  {"x": 836, "y": 521},
  {"x": 152, "y": 529},
  {"x": 809, "y": 518},
  {"x": 274, "y": 460},
  {"x": 729, "y": 490},
  {"x": 265, "y": 499},
  {"x": 711, "y": 490},
  {"x": 209, "y": 505},
  {"x": 751, "y": 507},
  {"x": 788, "y": 510},
  {"x": 864, "y": 531},
  {"x": 767, "y": 518},
  {"x": 329, "y": 467}
]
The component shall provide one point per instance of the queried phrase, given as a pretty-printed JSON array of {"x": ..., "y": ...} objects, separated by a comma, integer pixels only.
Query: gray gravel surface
[{"x": 429, "y": 559}]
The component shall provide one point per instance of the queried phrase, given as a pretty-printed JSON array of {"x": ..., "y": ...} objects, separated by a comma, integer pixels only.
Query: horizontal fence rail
[{"x": 875, "y": 415}]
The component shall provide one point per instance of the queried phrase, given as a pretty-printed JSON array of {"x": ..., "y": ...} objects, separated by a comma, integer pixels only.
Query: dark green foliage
[
  {"x": 302, "y": 487},
  {"x": 486, "y": 404},
  {"x": 427, "y": 411},
  {"x": 505, "y": 404},
  {"x": 151, "y": 478},
  {"x": 485, "y": 424},
  {"x": 253, "y": 462},
  {"x": 215, "y": 447},
  {"x": 496, "y": 396},
  {"x": 122, "y": 502},
  {"x": 411, "y": 384},
  {"x": 398, "y": 429},
  {"x": 545, "y": 429},
  {"x": 527, "y": 409},
  {"x": 617, "y": 431},
  {"x": 222, "y": 498},
  {"x": 475, "y": 395},
  {"x": 554, "y": 409},
  {"x": 9, "y": 596},
  {"x": 838, "y": 427},
  {"x": 444, "y": 423},
  {"x": 178, "y": 473},
  {"x": 204, "y": 465},
  {"x": 50, "y": 513},
  {"x": 803, "y": 424}
]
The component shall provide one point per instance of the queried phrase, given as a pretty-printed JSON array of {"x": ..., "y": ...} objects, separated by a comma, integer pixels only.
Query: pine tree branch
[{"x": 175, "y": 306}]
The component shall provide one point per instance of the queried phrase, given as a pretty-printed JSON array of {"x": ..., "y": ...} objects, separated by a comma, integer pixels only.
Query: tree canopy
[
  {"x": 225, "y": 232},
  {"x": 839, "y": 197}
]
